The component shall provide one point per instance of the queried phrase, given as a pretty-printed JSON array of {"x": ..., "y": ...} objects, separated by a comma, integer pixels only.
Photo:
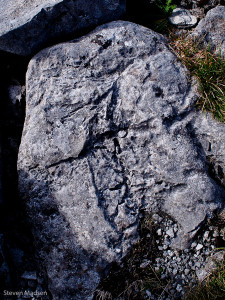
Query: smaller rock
[
  {"x": 156, "y": 217},
  {"x": 29, "y": 275},
  {"x": 182, "y": 18},
  {"x": 211, "y": 265},
  {"x": 206, "y": 235},
  {"x": 215, "y": 234},
  {"x": 175, "y": 228},
  {"x": 199, "y": 247},
  {"x": 170, "y": 233},
  {"x": 122, "y": 133},
  {"x": 179, "y": 288},
  {"x": 167, "y": 242},
  {"x": 186, "y": 271},
  {"x": 149, "y": 294},
  {"x": 193, "y": 245},
  {"x": 159, "y": 231},
  {"x": 175, "y": 271},
  {"x": 144, "y": 264}
]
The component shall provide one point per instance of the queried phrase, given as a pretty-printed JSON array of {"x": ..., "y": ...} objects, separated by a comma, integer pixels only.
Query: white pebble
[
  {"x": 199, "y": 247},
  {"x": 193, "y": 245},
  {"x": 159, "y": 231},
  {"x": 179, "y": 288},
  {"x": 186, "y": 271},
  {"x": 170, "y": 232},
  {"x": 148, "y": 293},
  {"x": 206, "y": 235}
]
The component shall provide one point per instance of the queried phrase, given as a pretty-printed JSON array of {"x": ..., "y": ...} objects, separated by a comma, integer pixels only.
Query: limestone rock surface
[
  {"x": 27, "y": 26},
  {"x": 109, "y": 132},
  {"x": 211, "y": 30},
  {"x": 211, "y": 265},
  {"x": 182, "y": 18}
]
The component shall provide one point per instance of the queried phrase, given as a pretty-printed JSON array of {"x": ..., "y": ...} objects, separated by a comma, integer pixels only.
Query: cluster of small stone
[{"x": 180, "y": 268}]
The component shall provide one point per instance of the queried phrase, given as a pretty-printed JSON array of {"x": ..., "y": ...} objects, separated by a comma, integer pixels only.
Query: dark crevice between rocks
[
  {"x": 95, "y": 142},
  {"x": 216, "y": 171},
  {"x": 102, "y": 203},
  {"x": 101, "y": 200},
  {"x": 16, "y": 246},
  {"x": 175, "y": 117}
]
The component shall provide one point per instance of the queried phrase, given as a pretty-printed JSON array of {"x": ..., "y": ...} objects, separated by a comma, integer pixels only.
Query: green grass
[
  {"x": 209, "y": 69},
  {"x": 213, "y": 288},
  {"x": 165, "y": 9}
]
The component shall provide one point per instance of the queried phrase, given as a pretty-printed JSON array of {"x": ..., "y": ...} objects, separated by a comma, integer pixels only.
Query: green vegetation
[
  {"x": 165, "y": 9},
  {"x": 209, "y": 69},
  {"x": 213, "y": 288}
]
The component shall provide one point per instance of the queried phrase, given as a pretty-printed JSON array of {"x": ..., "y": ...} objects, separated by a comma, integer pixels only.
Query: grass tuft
[
  {"x": 209, "y": 69},
  {"x": 212, "y": 288}
]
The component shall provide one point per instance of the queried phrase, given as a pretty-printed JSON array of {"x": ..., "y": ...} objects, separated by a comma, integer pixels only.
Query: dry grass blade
[{"x": 208, "y": 68}]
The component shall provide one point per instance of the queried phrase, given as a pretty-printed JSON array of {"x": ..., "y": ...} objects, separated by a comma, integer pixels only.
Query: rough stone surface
[
  {"x": 206, "y": 4},
  {"x": 211, "y": 138},
  {"x": 27, "y": 26},
  {"x": 211, "y": 29},
  {"x": 108, "y": 132},
  {"x": 211, "y": 265},
  {"x": 182, "y": 18}
]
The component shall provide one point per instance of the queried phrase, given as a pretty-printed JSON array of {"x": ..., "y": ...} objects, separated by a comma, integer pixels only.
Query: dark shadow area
[
  {"x": 17, "y": 253},
  {"x": 71, "y": 269},
  {"x": 146, "y": 12}
]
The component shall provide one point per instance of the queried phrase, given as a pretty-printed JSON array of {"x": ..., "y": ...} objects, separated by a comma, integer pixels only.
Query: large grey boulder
[
  {"x": 211, "y": 30},
  {"x": 28, "y": 26},
  {"x": 109, "y": 132}
]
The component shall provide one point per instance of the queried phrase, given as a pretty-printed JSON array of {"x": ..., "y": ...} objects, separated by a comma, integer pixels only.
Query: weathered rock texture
[
  {"x": 211, "y": 136},
  {"x": 182, "y": 18},
  {"x": 206, "y": 4},
  {"x": 108, "y": 132},
  {"x": 27, "y": 26},
  {"x": 211, "y": 265},
  {"x": 211, "y": 30}
]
